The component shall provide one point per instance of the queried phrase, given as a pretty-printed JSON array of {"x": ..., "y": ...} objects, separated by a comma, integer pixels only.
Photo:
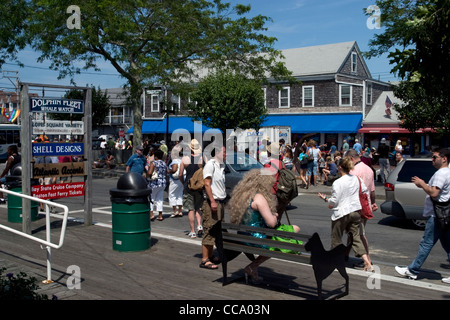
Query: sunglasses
[{"x": 435, "y": 157}]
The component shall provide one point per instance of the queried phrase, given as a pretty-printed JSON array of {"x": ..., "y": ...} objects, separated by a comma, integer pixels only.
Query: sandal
[
  {"x": 159, "y": 219},
  {"x": 214, "y": 259},
  {"x": 210, "y": 266}
]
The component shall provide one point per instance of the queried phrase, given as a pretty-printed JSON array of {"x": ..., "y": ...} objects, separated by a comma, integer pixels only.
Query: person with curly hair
[{"x": 253, "y": 203}]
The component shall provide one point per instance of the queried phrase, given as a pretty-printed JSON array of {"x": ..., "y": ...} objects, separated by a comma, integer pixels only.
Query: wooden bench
[{"x": 235, "y": 239}]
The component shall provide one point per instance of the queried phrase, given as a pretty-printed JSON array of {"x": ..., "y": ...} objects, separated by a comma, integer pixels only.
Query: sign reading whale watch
[
  {"x": 52, "y": 105},
  {"x": 57, "y": 149}
]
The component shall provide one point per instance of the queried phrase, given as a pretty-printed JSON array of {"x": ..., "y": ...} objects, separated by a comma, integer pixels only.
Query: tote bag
[{"x": 366, "y": 211}]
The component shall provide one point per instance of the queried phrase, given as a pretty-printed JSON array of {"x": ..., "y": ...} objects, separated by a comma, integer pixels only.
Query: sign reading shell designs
[
  {"x": 57, "y": 149},
  {"x": 65, "y": 169},
  {"x": 56, "y": 105}
]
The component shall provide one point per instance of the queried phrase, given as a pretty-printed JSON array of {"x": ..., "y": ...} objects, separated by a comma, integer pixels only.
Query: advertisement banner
[
  {"x": 57, "y": 149},
  {"x": 65, "y": 169},
  {"x": 57, "y": 127},
  {"x": 58, "y": 191},
  {"x": 52, "y": 105}
]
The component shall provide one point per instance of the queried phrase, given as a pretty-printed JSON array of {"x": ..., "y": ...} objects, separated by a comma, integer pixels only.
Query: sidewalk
[{"x": 169, "y": 270}]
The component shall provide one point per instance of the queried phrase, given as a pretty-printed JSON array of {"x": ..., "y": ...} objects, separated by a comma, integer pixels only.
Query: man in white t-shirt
[
  {"x": 438, "y": 188},
  {"x": 213, "y": 206}
]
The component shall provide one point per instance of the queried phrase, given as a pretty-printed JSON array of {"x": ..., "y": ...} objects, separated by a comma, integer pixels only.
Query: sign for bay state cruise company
[{"x": 52, "y": 105}]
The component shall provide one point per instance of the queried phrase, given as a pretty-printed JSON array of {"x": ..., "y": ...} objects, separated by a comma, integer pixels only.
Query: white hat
[
  {"x": 383, "y": 140},
  {"x": 195, "y": 146}
]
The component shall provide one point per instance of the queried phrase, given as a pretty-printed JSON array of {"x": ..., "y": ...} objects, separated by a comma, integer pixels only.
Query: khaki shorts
[
  {"x": 209, "y": 220},
  {"x": 192, "y": 201}
]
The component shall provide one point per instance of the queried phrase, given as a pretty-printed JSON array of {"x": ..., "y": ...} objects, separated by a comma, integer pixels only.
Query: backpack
[
  {"x": 310, "y": 155},
  {"x": 287, "y": 185},
  {"x": 196, "y": 181}
]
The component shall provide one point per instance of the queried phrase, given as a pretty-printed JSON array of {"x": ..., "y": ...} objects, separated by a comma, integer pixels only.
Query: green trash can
[
  {"x": 131, "y": 213},
  {"x": 15, "y": 207},
  {"x": 14, "y": 204}
]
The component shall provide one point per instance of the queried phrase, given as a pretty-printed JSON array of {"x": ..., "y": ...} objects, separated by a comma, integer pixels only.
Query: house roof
[
  {"x": 315, "y": 60},
  {"x": 377, "y": 115}
]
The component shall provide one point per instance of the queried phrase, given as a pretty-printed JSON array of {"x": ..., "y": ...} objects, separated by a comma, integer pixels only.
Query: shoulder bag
[{"x": 366, "y": 211}]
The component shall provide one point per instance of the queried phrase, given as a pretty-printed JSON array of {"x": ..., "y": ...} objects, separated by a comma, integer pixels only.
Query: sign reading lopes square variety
[
  {"x": 59, "y": 190},
  {"x": 52, "y": 105}
]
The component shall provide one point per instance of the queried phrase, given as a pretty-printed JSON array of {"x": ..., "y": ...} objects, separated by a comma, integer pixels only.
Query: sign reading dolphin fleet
[
  {"x": 57, "y": 149},
  {"x": 65, "y": 169},
  {"x": 52, "y": 105},
  {"x": 58, "y": 191},
  {"x": 57, "y": 127}
]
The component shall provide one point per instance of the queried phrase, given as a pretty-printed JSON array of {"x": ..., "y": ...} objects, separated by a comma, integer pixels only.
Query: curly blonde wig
[{"x": 255, "y": 181}]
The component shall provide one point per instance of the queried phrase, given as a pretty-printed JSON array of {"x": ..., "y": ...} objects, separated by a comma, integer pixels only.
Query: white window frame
[
  {"x": 304, "y": 95},
  {"x": 288, "y": 98},
  {"x": 369, "y": 93},
  {"x": 341, "y": 86},
  {"x": 156, "y": 97},
  {"x": 354, "y": 62},
  {"x": 265, "y": 96}
]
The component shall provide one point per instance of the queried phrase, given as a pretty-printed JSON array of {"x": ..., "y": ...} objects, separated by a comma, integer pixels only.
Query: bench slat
[
  {"x": 267, "y": 231},
  {"x": 251, "y": 241},
  {"x": 304, "y": 258}
]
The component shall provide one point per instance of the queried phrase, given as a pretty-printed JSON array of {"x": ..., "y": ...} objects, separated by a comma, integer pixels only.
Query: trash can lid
[{"x": 131, "y": 184}]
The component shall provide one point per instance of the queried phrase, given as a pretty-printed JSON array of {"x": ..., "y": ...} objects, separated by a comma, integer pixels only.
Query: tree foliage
[
  {"x": 417, "y": 37},
  {"x": 227, "y": 100},
  {"x": 147, "y": 41},
  {"x": 100, "y": 106}
]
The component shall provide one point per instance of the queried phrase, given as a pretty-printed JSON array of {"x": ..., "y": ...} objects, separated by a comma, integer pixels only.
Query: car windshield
[{"x": 242, "y": 162}]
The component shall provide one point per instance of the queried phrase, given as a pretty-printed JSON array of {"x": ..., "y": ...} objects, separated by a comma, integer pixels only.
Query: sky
[{"x": 295, "y": 23}]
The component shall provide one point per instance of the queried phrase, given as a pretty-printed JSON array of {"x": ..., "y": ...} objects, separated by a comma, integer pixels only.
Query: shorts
[
  {"x": 209, "y": 220},
  {"x": 192, "y": 201}
]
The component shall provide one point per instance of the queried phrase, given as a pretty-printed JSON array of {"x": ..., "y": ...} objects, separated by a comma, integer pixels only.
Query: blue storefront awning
[
  {"x": 320, "y": 123},
  {"x": 299, "y": 123},
  {"x": 175, "y": 123}
]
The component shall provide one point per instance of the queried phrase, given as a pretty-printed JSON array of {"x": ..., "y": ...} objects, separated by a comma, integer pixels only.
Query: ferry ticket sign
[
  {"x": 58, "y": 191},
  {"x": 52, "y": 105}
]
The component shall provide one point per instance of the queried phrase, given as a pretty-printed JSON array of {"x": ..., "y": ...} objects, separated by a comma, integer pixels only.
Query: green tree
[
  {"x": 147, "y": 41},
  {"x": 227, "y": 100},
  {"x": 100, "y": 106},
  {"x": 417, "y": 38}
]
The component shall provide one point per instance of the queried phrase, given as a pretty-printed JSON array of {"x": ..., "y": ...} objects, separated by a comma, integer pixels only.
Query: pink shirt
[{"x": 366, "y": 174}]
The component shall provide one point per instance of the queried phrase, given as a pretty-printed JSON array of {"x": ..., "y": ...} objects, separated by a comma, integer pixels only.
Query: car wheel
[{"x": 419, "y": 223}]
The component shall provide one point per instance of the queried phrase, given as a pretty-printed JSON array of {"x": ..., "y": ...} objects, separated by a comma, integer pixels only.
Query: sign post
[{"x": 68, "y": 169}]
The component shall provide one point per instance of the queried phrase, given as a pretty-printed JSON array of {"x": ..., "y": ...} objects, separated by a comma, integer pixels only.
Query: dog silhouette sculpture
[{"x": 324, "y": 262}]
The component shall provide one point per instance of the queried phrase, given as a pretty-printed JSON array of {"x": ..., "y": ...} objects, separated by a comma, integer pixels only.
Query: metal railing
[{"x": 47, "y": 242}]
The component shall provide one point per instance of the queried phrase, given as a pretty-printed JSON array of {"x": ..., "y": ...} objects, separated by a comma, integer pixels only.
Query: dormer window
[{"x": 354, "y": 61}]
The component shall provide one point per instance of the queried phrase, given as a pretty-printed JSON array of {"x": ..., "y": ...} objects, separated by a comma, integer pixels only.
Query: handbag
[
  {"x": 286, "y": 228},
  {"x": 442, "y": 214},
  {"x": 366, "y": 211}
]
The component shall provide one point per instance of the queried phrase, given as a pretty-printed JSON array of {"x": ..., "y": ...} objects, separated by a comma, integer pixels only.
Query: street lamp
[{"x": 174, "y": 99}]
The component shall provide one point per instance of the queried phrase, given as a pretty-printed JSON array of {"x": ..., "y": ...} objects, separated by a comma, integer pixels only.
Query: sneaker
[
  {"x": 446, "y": 280},
  {"x": 192, "y": 235},
  {"x": 404, "y": 271},
  {"x": 199, "y": 230}
]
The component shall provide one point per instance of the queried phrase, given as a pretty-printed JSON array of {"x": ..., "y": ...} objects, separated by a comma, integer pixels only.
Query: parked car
[
  {"x": 236, "y": 165},
  {"x": 403, "y": 198}
]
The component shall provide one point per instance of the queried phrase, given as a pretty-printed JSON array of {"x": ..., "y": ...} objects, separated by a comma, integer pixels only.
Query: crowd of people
[{"x": 254, "y": 202}]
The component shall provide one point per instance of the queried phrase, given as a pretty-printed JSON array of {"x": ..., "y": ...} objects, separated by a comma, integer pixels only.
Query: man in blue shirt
[
  {"x": 357, "y": 146},
  {"x": 136, "y": 163}
]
